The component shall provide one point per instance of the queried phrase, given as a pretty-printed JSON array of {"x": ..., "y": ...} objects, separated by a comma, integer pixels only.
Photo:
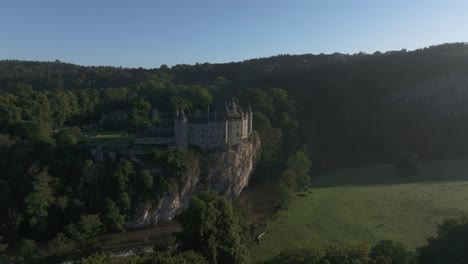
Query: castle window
[
  {"x": 237, "y": 134},
  {"x": 202, "y": 135}
]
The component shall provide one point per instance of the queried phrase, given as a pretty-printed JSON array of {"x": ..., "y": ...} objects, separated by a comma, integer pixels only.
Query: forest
[{"x": 313, "y": 113}]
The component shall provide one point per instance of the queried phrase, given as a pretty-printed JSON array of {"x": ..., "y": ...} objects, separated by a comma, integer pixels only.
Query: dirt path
[{"x": 140, "y": 237}]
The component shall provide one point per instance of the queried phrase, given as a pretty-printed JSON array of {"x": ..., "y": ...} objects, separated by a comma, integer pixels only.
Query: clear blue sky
[{"x": 150, "y": 33}]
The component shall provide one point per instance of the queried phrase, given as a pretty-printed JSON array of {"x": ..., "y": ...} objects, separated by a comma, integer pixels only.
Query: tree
[
  {"x": 112, "y": 217},
  {"x": 145, "y": 180},
  {"x": 120, "y": 181},
  {"x": 40, "y": 198},
  {"x": 450, "y": 244},
  {"x": 187, "y": 257},
  {"x": 58, "y": 245},
  {"x": 179, "y": 103},
  {"x": 27, "y": 251},
  {"x": 86, "y": 233},
  {"x": 299, "y": 163},
  {"x": 138, "y": 116},
  {"x": 287, "y": 186},
  {"x": 99, "y": 258},
  {"x": 212, "y": 228},
  {"x": 392, "y": 252},
  {"x": 3, "y": 248}
]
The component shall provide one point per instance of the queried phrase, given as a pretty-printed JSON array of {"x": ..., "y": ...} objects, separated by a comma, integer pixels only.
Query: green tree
[
  {"x": 187, "y": 257},
  {"x": 27, "y": 251},
  {"x": 99, "y": 258},
  {"x": 40, "y": 198},
  {"x": 300, "y": 164},
  {"x": 138, "y": 116},
  {"x": 87, "y": 232},
  {"x": 392, "y": 252},
  {"x": 70, "y": 136},
  {"x": 145, "y": 180},
  {"x": 3, "y": 248},
  {"x": 212, "y": 228},
  {"x": 287, "y": 186},
  {"x": 58, "y": 245},
  {"x": 179, "y": 103},
  {"x": 450, "y": 244},
  {"x": 112, "y": 217},
  {"x": 121, "y": 178}
]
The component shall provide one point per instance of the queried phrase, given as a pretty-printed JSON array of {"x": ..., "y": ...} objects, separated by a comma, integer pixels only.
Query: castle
[{"x": 208, "y": 130}]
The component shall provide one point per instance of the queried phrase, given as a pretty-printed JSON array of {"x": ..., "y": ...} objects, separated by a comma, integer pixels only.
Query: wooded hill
[{"x": 343, "y": 101}]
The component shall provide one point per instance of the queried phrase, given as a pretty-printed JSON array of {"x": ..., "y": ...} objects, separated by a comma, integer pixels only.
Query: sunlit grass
[
  {"x": 112, "y": 138},
  {"x": 370, "y": 204}
]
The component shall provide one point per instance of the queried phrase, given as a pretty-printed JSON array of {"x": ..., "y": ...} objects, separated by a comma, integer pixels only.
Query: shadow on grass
[{"x": 431, "y": 171}]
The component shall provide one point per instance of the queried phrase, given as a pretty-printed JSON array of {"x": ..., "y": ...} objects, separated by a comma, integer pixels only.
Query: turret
[{"x": 180, "y": 130}]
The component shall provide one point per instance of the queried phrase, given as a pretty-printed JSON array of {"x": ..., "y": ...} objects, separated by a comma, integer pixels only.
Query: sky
[{"x": 149, "y": 33}]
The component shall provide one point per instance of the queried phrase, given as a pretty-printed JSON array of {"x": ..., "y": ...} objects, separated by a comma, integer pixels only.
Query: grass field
[
  {"x": 108, "y": 138},
  {"x": 370, "y": 204}
]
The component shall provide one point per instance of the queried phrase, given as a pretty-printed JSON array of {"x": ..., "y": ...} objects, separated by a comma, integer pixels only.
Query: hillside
[
  {"x": 344, "y": 102},
  {"x": 371, "y": 204}
]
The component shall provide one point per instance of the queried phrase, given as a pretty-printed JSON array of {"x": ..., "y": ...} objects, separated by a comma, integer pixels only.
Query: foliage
[
  {"x": 187, "y": 257},
  {"x": 58, "y": 245},
  {"x": 86, "y": 233},
  {"x": 449, "y": 246},
  {"x": 384, "y": 252},
  {"x": 299, "y": 164},
  {"x": 388, "y": 251},
  {"x": 99, "y": 258},
  {"x": 112, "y": 218},
  {"x": 40, "y": 198},
  {"x": 338, "y": 105},
  {"x": 27, "y": 251},
  {"x": 211, "y": 227}
]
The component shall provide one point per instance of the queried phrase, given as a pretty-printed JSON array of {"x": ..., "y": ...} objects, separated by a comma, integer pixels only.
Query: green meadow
[
  {"x": 108, "y": 138},
  {"x": 370, "y": 204}
]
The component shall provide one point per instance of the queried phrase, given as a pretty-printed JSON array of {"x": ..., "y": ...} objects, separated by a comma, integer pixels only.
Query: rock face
[{"x": 226, "y": 173}]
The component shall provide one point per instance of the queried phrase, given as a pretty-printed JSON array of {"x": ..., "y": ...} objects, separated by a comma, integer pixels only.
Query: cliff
[{"x": 226, "y": 173}]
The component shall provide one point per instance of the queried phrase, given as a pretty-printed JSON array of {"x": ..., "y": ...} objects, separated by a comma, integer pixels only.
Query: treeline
[
  {"x": 342, "y": 100},
  {"x": 215, "y": 232},
  {"x": 448, "y": 246}
]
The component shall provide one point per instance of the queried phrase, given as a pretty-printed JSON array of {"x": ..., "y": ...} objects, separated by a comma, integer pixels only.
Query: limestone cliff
[{"x": 226, "y": 173}]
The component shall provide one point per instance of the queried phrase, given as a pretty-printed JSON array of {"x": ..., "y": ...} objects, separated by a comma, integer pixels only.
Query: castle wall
[
  {"x": 208, "y": 135},
  {"x": 235, "y": 131},
  {"x": 245, "y": 127},
  {"x": 180, "y": 132}
]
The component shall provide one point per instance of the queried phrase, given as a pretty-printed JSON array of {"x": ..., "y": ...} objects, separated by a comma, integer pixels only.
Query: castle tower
[{"x": 180, "y": 130}]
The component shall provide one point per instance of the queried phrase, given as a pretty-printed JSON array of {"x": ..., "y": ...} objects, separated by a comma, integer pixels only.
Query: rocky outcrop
[{"x": 226, "y": 173}]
